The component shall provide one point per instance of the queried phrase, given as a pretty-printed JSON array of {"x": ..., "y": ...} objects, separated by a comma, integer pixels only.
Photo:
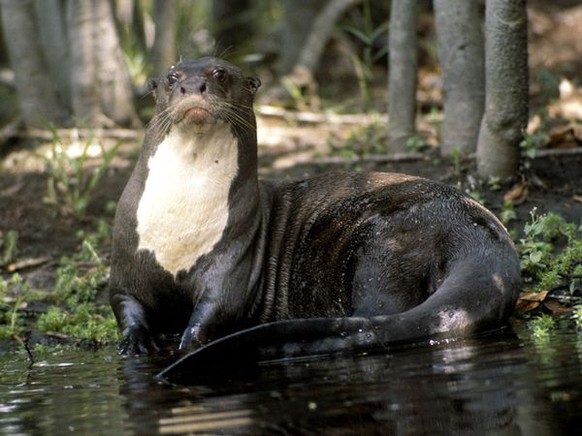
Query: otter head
[
  {"x": 197, "y": 93},
  {"x": 204, "y": 138}
]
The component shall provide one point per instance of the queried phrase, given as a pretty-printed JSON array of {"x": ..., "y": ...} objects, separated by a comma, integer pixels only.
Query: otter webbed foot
[
  {"x": 130, "y": 314},
  {"x": 193, "y": 337},
  {"x": 137, "y": 340},
  {"x": 201, "y": 328}
]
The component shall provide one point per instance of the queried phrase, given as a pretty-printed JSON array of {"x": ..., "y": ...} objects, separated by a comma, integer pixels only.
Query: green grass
[
  {"x": 75, "y": 310},
  {"x": 13, "y": 292},
  {"x": 551, "y": 252},
  {"x": 8, "y": 247},
  {"x": 70, "y": 184}
]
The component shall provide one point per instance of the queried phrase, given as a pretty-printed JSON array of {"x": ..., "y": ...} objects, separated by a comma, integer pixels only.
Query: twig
[
  {"x": 558, "y": 152},
  {"x": 379, "y": 158},
  {"x": 48, "y": 135},
  {"x": 319, "y": 118},
  {"x": 27, "y": 263},
  {"x": 24, "y": 343}
]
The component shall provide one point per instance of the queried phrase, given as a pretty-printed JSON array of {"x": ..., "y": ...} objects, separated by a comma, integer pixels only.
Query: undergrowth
[
  {"x": 551, "y": 261},
  {"x": 75, "y": 311},
  {"x": 81, "y": 278},
  {"x": 8, "y": 247},
  {"x": 365, "y": 141},
  {"x": 70, "y": 185},
  {"x": 542, "y": 326},
  {"x": 551, "y": 253},
  {"x": 14, "y": 291}
]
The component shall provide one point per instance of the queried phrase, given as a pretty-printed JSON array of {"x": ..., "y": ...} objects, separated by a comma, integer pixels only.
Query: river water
[{"x": 505, "y": 383}]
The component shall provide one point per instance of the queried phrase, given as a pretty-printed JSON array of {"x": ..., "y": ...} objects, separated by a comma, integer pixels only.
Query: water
[{"x": 501, "y": 384}]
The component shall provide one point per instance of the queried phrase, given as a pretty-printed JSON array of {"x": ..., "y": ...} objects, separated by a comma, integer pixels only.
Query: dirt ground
[{"x": 294, "y": 149}]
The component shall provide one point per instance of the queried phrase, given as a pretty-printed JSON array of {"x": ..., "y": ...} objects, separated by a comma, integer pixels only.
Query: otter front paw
[
  {"x": 193, "y": 337},
  {"x": 137, "y": 340}
]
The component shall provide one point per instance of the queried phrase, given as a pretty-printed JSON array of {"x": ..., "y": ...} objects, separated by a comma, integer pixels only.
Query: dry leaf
[
  {"x": 569, "y": 136},
  {"x": 517, "y": 194},
  {"x": 556, "y": 307},
  {"x": 530, "y": 300}
]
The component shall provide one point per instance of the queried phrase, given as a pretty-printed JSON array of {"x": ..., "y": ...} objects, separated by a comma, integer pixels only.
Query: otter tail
[{"x": 475, "y": 297}]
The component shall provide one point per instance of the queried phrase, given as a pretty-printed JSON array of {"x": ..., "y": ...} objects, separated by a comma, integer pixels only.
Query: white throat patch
[{"x": 184, "y": 207}]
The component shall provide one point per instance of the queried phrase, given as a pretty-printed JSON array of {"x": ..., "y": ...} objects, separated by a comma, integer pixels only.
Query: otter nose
[{"x": 195, "y": 85}]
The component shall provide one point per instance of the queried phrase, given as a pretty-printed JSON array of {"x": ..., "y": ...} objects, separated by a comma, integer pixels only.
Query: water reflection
[
  {"x": 56, "y": 395},
  {"x": 503, "y": 384}
]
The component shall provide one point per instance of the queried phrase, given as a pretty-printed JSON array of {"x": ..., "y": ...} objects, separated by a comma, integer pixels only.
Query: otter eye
[
  {"x": 219, "y": 74},
  {"x": 172, "y": 77}
]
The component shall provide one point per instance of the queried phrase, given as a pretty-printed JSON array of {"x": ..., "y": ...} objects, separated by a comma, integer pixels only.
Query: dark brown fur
[{"x": 342, "y": 261}]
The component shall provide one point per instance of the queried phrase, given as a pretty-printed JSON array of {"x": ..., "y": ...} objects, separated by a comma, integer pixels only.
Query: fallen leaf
[
  {"x": 556, "y": 307},
  {"x": 517, "y": 194},
  {"x": 569, "y": 136},
  {"x": 529, "y": 301}
]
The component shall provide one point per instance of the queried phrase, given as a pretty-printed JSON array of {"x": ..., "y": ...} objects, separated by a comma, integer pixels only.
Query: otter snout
[{"x": 196, "y": 85}]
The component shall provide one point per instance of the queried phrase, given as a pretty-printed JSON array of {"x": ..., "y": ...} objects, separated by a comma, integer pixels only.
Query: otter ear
[
  {"x": 153, "y": 84},
  {"x": 254, "y": 84}
]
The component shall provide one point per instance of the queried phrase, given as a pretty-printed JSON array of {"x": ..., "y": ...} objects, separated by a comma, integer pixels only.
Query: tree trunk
[
  {"x": 461, "y": 53},
  {"x": 164, "y": 48},
  {"x": 320, "y": 33},
  {"x": 129, "y": 16},
  {"x": 299, "y": 16},
  {"x": 101, "y": 89},
  {"x": 84, "y": 86},
  {"x": 402, "y": 74},
  {"x": 53, "y": 38},
  {"x": 506, "y": 99},
  {"x": 232, "y": 24},
  {"x": 37, "y": 95},
  {"x": 114, "y": 80},
  {"x": 123, "y": 11}
]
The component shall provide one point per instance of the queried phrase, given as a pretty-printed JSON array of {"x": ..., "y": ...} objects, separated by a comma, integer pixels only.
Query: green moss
[
  {"x": 84, "y": 322},
  {"x": 75, "y": 311},
  {"x": 80, "y": 280},
  {"x": 77, "y": 284},
  {"x": 13, "y": 292},
  {"x": 550, "y": 252}
]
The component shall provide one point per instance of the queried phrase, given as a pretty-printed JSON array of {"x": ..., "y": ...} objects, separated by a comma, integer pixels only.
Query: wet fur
[{"x": 341, "y": 261}]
